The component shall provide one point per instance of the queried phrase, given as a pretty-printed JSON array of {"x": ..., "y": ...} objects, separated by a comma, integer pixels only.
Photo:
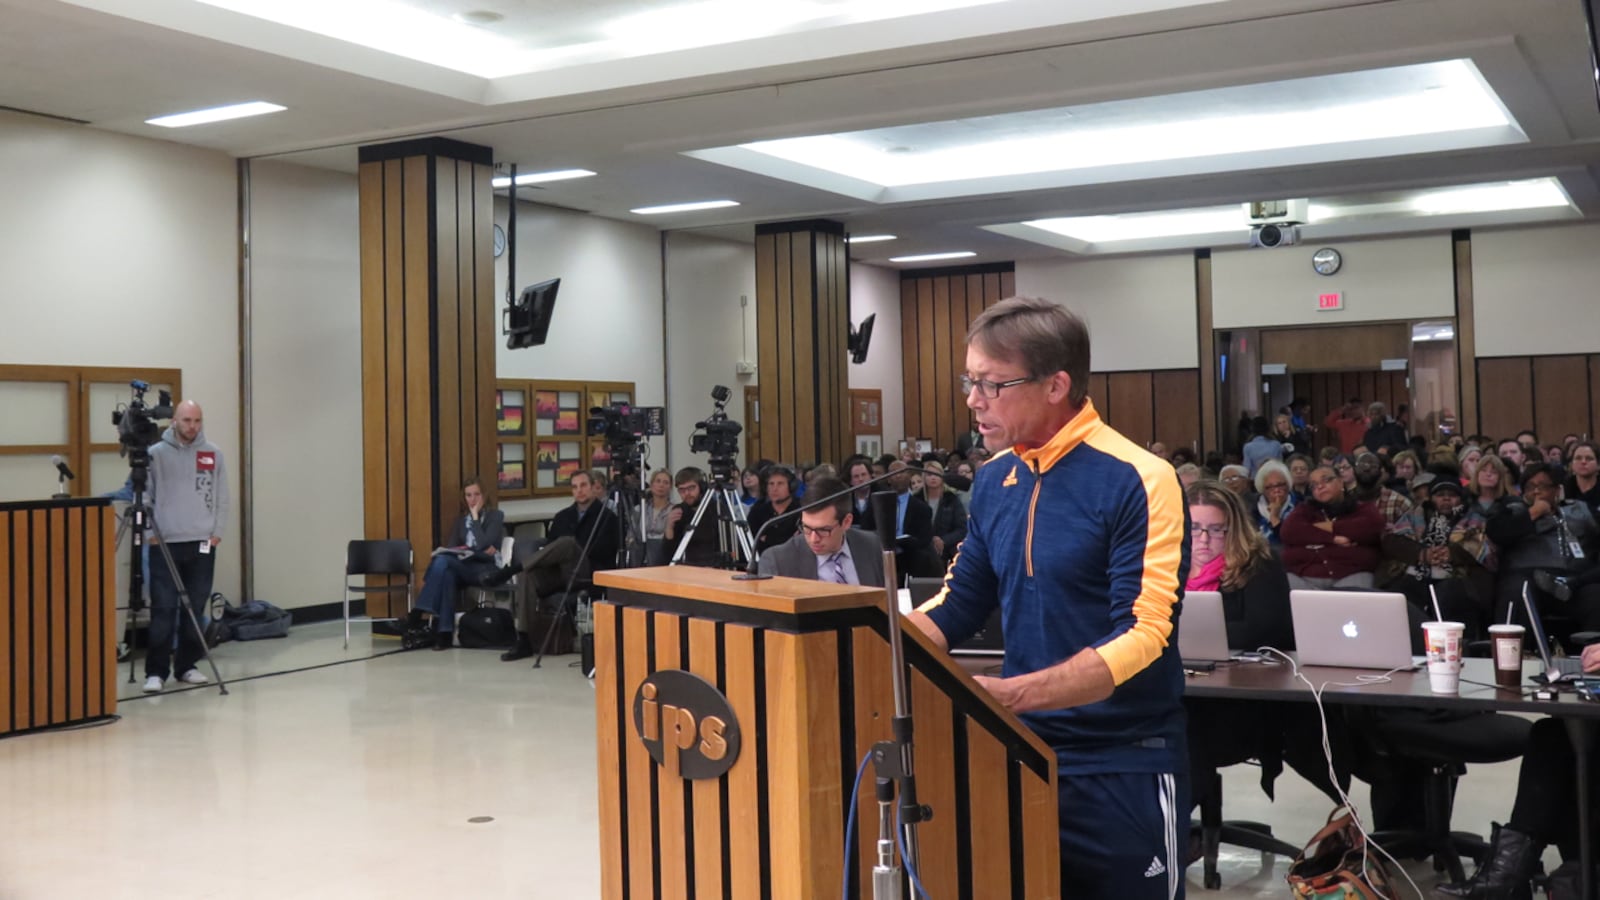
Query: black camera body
[
  {"x": 622, "y": 424},
  {"x": 136, "y": 422},
  {"x": 718, "y": 436}
]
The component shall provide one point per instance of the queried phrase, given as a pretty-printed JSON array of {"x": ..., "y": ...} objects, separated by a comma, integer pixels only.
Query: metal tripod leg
[{"x": 183, "y": 601}]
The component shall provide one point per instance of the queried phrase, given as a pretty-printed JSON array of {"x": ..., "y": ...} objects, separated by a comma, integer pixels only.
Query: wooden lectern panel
[{"x": 802, "y": 668}]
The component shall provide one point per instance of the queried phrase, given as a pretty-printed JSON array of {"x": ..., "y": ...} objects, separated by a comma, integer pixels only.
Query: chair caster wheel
[{"x": 1213, "y": 881}]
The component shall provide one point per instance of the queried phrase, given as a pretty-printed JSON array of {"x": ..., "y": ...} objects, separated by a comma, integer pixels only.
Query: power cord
[
  {"x": 1327, "y": 753},
  {"x": 850, "y": 826}
]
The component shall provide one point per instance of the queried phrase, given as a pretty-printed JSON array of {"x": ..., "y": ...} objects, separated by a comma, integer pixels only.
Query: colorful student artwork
[
  {"x": 544, "y": 404},
  {"x": 567, "y": 422},
  {"x": 548, "y": 455},
  {"x": 510, "y": 422},
  {"x": 600, "y": 457},
  {"x": 568, "y": 468},
  {"x": 511, "y": 476}
]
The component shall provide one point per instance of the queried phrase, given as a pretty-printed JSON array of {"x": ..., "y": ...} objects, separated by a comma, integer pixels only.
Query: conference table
[{"x": 1247, "y": 681}]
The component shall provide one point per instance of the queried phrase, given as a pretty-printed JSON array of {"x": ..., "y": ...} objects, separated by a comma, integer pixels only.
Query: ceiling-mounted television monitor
[
  {"x": 860, "y": 339},
  {"x": 527, "y": 319}
]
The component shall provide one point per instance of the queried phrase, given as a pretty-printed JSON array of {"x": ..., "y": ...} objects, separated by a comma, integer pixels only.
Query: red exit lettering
[{"x": 1330, "y": 301}]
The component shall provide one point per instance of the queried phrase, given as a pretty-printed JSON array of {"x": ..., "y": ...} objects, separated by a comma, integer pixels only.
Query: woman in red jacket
[{"x": 1331, "y": 541}]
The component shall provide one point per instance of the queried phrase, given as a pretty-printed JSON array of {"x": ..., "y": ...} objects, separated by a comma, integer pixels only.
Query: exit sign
[{"x": 1330, "y": 301}]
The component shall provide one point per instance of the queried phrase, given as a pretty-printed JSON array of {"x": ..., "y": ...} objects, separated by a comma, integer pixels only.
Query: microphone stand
[{"x": 892, "y": 759}]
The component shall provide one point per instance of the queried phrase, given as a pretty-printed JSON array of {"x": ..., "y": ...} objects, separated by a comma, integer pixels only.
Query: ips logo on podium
[{"x": 686, "y": 724}]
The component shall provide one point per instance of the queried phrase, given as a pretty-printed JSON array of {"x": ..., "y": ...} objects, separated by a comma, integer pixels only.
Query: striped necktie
[{"x": 835, "y": 569}]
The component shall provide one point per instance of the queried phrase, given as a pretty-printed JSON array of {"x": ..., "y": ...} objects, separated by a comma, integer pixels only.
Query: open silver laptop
[
  {"x": 1350, "y": 629},
  {"x": 1202, "y": 628},
  {"x": 1563, "y": 670}
]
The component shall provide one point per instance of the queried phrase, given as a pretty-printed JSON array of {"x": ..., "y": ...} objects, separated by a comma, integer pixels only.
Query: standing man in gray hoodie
[{"x": 189, "y": 494}]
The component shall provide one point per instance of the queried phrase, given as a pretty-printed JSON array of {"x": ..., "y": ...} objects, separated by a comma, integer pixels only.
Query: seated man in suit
[
  {"x": 827, "y": 548},
  {"x": 913, "y": 531}
]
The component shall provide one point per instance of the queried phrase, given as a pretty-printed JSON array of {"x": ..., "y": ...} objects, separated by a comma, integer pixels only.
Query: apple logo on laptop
[{"x": 1350, "y": 629}]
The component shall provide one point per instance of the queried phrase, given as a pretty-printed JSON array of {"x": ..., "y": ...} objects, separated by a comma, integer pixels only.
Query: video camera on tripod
[
  {"x": 136, "y": 422},
  {"x": 624, "y": 426},
  {"x": 718, "y": 436}
]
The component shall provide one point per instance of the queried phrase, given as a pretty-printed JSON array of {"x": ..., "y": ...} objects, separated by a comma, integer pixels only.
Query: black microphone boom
[{"x": 61, "y": 466}]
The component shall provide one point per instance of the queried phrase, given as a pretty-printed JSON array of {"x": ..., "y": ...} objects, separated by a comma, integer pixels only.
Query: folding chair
[
  {"x": 363, "y": 558},
  {"x": 510, "y": 588}
]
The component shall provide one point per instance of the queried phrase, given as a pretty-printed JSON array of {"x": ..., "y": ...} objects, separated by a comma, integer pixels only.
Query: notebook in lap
[
  {"x": 1565, "y": 669},
  {"x": 1202, "y": 628},
  {"x": 1353, "y": 630}
]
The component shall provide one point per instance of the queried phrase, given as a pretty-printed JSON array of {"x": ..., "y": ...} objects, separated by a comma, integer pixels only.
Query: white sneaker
[
  {"x": 194, "y": 676},
  {"x": 152, "y": 685}
]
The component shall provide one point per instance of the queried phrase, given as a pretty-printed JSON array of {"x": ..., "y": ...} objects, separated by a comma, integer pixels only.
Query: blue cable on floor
[{"x": 850, "y": 826}]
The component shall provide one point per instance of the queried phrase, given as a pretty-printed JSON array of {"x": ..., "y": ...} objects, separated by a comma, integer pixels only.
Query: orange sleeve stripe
[{"x": 1131, "y": 652}]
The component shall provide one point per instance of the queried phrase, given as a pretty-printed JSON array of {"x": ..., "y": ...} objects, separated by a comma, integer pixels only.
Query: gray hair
[
  {"x": 1270, "y": 467},
  {"x": 1041, "y": 336}
]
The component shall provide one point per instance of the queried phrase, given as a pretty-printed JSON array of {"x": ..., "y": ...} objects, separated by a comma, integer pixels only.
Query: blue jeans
[
  {"x": 166, "y": 619},
  {"x": 446, "y": 575}
]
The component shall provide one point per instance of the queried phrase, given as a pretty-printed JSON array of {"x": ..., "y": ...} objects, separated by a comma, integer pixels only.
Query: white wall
[
  {"x": 121, "y": 251},
  {"x": 1392, "y": 278},
  {"x": 1140, "y": 310},
  {"x": 607, "y": 324},
  {"x": 1534, "y": 290},
  {"x": 708, "y": 332},
  {"x": 306, "y": 412},
  {"x": 876, "y": 291}
]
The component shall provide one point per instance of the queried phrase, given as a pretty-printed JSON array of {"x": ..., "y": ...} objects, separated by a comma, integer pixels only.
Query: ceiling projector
[{"x": 1285, "y": 235}]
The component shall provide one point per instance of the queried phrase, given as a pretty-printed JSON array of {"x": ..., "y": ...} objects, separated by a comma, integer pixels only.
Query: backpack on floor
[
  {"x": 255, "y": 620},
  {"x": 486, "y": 628}
]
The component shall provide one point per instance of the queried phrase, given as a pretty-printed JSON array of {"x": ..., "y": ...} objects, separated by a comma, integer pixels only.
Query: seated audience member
[
  {"x": 1555, "y": 455},
  {"x": 1345, "y": 467},
  {"x": 1261, "y": 446},
  {"x": 1293, "y": 440},
  {"x": 858, "y": 472},
  {"x": 1418, "y": 490},
  {"x": 1227, "y": 554},
  {"x": 1444, "y": 545},
  {"x": 1300, "y": 467},
  {"x": 1542, "y": 814},
  {"x": 1467, "y": 460},
  {"x": 750, "y": 485},
  {"x": 561, "y": 557},
  {"x": 468, "y": 558},
  {"x": 1490, "y": 485},
  {"x": 913, "y": 529},
  {"x": 1189, "y": 473},
  {"x": 1327, "y": 456},
  {"x": 1529, "y": 439},
  {"x": 1347, "y": 426},
  {"x": 1276, "y": 500},
  {"x": 1548, "y": 547},
  {"x": 1368, "y": 488},
  {"x": 1583, "y": 479},
  {"x": 949, "y": 513},
  {"x": 1384, "y": 436},
  {"x": 1183, "y": 456},
  {"x": 1159, "y": 450},
  {"x": 1510, "y": 451},
  {"x": 1442, "y": 456},
  {"x": 964, "y": 470},
  {"x": 657, "y": 507},
  {"x": 780, "y": 483},
  {"x": 1330, "y": 541},
  {"x": 1406, "y": 466},
  {"x": 1237, "y": 479},
  {"x": 705, "y": 547},
  {"x": 826, "y": 547}
]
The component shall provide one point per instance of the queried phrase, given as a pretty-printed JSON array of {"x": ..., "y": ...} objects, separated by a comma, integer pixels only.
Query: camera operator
[
  {"x": 189, "y": 496},
  {"x": 703, "y": 545}
]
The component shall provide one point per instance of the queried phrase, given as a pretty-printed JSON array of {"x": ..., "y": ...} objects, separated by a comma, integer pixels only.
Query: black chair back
[{"x": 378, "y": 558}]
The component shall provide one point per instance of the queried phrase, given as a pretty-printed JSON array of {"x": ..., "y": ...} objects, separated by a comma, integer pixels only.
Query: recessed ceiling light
[
  {"x": 539, "y": 177},
  {"x": 1140, "y": 226},
  {"x": 868, "y": 238},
  {"x": 930, "y": 257},
  {"x": 683, "y": 207},
  {"x": 216, "y": 114},
  {"x": 1535, "y": 193}
]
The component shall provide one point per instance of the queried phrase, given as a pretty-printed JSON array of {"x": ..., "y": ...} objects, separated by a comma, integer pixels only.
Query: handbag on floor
[
  {"x": 1337, "y": 863},
  {"x": 486, "y": 628}
]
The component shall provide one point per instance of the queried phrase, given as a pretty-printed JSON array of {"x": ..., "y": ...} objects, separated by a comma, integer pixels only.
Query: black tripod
[
  {"x": 629, "y": 530},
  {"x": 731, "y": 524},
  {"x": 139, "y": 518}
]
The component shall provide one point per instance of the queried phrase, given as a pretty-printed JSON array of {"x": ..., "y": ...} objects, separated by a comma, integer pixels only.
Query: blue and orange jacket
[{"x": 1084, "y": 543}]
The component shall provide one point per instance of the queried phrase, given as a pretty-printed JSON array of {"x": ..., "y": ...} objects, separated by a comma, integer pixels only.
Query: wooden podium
[{"x": 804, "y": 669}]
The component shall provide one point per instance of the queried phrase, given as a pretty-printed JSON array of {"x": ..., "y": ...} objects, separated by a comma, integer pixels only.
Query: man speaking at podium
[{"x": 1080, "y": 536}]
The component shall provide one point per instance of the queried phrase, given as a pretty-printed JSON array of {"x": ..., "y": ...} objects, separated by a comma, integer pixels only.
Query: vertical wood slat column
[
  {"x": 802, "y": 327},
  {"x": 937, "y": 307},
  {"x": 1208, "y": 352},
  {"x": 1466, "y": 334},
  {"x": 427, "y": 337}
]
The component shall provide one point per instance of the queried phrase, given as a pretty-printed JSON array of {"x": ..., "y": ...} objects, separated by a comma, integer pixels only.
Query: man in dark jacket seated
[{"x": 1549, "y": 547}]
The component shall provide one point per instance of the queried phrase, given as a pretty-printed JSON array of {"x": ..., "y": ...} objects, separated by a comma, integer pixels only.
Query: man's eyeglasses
[
  {"x": 823, "y": 532},
  {"x": 1211, "y": 532},
  {"x": 989, "y": 389}
]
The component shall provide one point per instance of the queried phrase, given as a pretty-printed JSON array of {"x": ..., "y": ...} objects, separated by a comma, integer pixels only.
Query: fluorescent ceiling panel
[
  {"x": 868, "y": 238},
  {"x": 695, "y": 206},
  {"x": 542, "y": 177},
  {"x": 1405, "y": 109},
  {"x": 216, "y": 114},
  {"x": 930, "y": 257}
]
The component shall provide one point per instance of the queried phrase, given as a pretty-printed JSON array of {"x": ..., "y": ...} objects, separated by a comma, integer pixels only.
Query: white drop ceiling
[{"x": 1133, "y": 106}]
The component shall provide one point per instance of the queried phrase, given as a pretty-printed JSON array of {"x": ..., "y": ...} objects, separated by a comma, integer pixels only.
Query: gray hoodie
[{"x": 188, "y": 488}]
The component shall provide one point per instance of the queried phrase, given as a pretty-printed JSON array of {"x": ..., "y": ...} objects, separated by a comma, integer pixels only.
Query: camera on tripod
[
  {"x": 136, "y": 422},
  {"x": 718, "y": 435}
]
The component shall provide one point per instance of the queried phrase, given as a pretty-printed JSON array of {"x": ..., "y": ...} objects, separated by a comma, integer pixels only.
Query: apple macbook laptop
[
  {"x": 1202, "y": 628},
  {"x": 989, "y": 641},
  {"x": 1351, "y": 629},
  {"x": 1566, "y": 669}
]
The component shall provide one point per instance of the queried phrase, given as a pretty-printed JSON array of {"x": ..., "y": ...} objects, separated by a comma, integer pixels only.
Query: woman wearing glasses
[
  {"x": 1276, "y": 499},
  {"x": 1331, "y": 541}
]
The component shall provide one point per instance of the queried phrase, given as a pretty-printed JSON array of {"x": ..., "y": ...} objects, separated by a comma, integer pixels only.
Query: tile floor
[{"x": 358, "y": 780}]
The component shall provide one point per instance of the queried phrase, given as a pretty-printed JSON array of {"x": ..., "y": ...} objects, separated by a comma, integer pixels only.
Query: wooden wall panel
[
  {"x": 1505, "y": 395},
  {"x": 937, "y": 307},
  {"x": 1334, "y": 349},
  {"x": 926, "y": 348},
  {"x": 427, "y": 355},
  {"x": 911, "y": 371},
  {"x": 1561, "y": 396},
  {"x": 944, "y": 408},
  {"x": 1132, "y": 403},
  {"x": 803, "y": 323},
  {"x": 1466, "y": 333},
  {"x": 1177, "y": 407}
]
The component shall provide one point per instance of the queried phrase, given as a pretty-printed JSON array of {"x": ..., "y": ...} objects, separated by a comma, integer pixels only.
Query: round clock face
[
  {"x": 499, "y": 240},
  {"x": 1326, "y": 261}
]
